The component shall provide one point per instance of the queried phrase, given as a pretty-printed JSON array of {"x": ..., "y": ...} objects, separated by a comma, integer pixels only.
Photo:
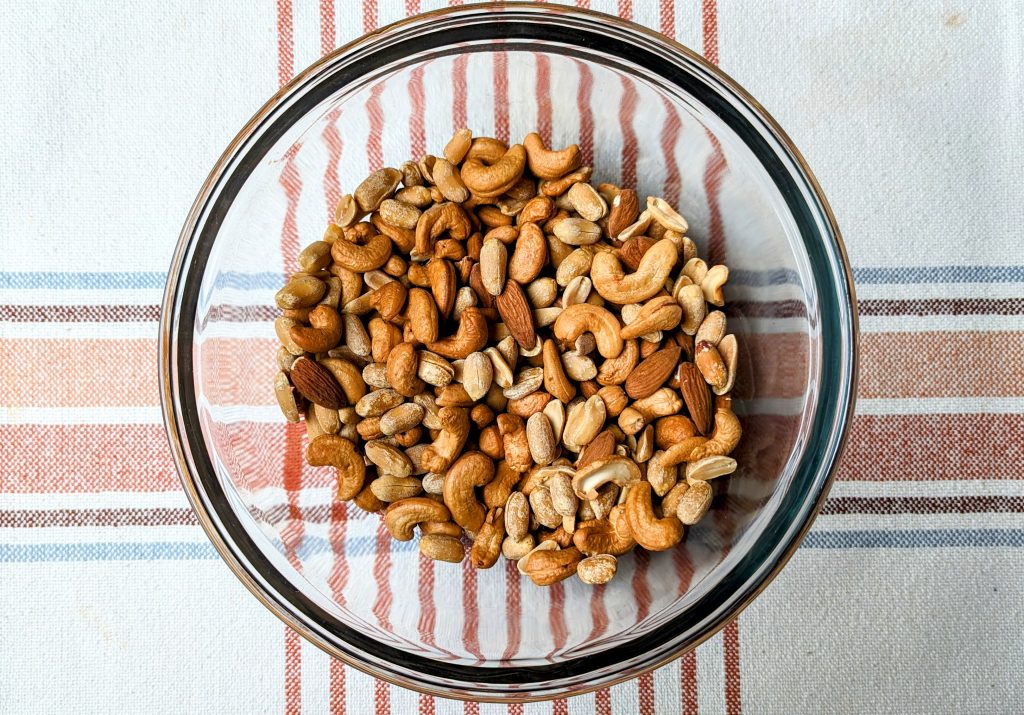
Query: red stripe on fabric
[
  {"x": 583, "y": 3},
  {"x": 626, "y": 9},
  {"x": 328, "y": 30},
  {"x": 337, "y": 688},
  {"x": 669, "y": 138},
  {"x": 335, "y": 146},
  {"x": 731, "y": 656},
  {"x": 417, "y": 110},
  {"x": 641, "y": 590},
  {"x": 370, "y": 19},
  {"x": 713, "y": 171},
  {"x": 667, "y": 18},
  {"x": 501, "y": 130},
  {"x": 513, "y": 614},
  {"x": 470, "y": 609},
  {"x": 515, "y": 709},
  {"x": 603, "y": 702},
  {"x": 630, "y": 150},
  {"x": 560, "y": 707},
  {"x": 292, "y": 185},
  {"x": 412, "y": 7},
  {"x": 645, "y": 694},
  {"x": 709, "y": 22},
  {"x": 684, "y": 569},
  {"x": 598, "y": 613},
  {"x": 285, "y": 42},
  {"x": 471, "y": 708},
  {"x": 425, "y": 592},
  {"x": 381, "y": 698},
  {"x": 381, "y": 576},
  {"x": 583, "y": 92},
  {"x": 688, "y": 683},
  {"x": 292, "y": 672},
  {"x": 556, "y": 618},
  {"x": 459, "y": 67},
  {"x": 374, "y": 141},
  {"x": 426, "y": 705},
  {"x": 544, "y": 96}
]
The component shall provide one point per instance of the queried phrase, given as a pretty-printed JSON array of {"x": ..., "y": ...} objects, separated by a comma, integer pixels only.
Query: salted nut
[{"x": 492, "y": 349}]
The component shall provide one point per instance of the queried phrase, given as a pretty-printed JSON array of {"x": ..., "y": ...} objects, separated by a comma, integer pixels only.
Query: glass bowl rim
[{"x": 479, "y": 683}]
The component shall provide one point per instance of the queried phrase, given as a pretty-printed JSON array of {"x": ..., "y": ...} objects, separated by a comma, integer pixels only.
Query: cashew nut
[
  {"x": 615, "y": 469},
  {"x": 498, "y": 177},
  {"x": 611, "y": 282},
  {"x": 724, "y": 437},
  {"x": 402, "y": 516},
  {"x": 454, "y": 432},
  {"x": 650, "y": 532},
  {"x": 433, "y": 222},
  {"x": 330, "y": 450},
  {"x": 547, "y": 163},
  {"x": 360, "y": 259},
  {"x": 470, "y": 337},
  {"x": 324, "y": 334},
  {"x": 472, "y": 469},
  {"x": 584, "y": 317}
]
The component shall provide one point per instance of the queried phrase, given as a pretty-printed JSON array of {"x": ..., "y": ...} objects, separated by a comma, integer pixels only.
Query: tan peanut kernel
[{"x": 490, "y": 346}]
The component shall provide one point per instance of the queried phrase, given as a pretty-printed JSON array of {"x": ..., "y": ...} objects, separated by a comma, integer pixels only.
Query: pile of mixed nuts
[{"x": 505, "y": 353}]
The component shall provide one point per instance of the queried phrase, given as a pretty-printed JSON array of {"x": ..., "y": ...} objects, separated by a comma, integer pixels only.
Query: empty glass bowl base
[{"x": 647, "y": 113}]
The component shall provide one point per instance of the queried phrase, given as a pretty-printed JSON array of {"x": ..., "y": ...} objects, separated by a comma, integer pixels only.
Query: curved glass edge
[{"x": 838, "y": 361}]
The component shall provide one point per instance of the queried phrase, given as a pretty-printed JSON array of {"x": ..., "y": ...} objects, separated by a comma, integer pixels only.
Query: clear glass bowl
[{"x": 647, "y": 112}]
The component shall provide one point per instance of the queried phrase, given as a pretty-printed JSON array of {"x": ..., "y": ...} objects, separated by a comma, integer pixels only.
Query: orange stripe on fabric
[
  {"x": 328, "y": 30},
  {"x": 292, "y": 672},
  {"x": 688, "y": 683},
  {"x": 731, "y": 656},
  {"x": 285, "y": 42},
  {"x": 709, "y": 22}
]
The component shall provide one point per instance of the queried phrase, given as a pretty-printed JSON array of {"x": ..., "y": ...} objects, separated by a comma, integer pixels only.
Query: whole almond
[
  {"x": 515, "y": 311},
  {"x": 652, "y": 373},
  {"x": 317, "y": 384},
  {"x": 633, "y": 250},
  {"x": 696, "y": 396},
  {"x": 624, "y": 210}
]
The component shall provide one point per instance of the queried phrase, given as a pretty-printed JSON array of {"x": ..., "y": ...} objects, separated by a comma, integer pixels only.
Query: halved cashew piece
[
  {"x": 615, "y": 469},
  {"x": 584, "y": 317},
  {"x": 487, "y": 544},
  {"x": 611, "y": 282},
  {"x": 710, "y": 467},
  {"x": 454, "y": 432},
  {"x": 472, "y": 469},
  {"x": 547, "y": 163},
  {"x": 713, "y": 282},
  {"x": 729, "y": 351},
  {"x": 598, "y": 536},
  {"x": 661, "y": 313},
  {"x": 650, "y": 532},
  {"x": 360, "y": 259},
  {"x": 402, "y": 516},
  {"x": 470, "y": 337},
  {"x": 324, "y": 334},
  {"x": 330, "y": 450}
]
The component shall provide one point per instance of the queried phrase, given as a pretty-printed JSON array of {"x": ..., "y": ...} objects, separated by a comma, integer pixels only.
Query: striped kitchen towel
[{"x": 907, "y": 594}]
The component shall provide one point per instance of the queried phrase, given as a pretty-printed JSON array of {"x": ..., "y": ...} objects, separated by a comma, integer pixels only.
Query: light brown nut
[
  {"x": 442, "y": 284},
  {"x": 650, "y": 532},
  {"x": 472, "y": 469},
  {"x": 577, "y": 291},
  {"x": 670, "y": 501},
  {"x": 691, "y": 299},
  {"x": 724, "y": 437},
  {"x": 514, "y": 442},
  {"x": 493, "y": 263},
  {"x": 529, "y": 405},
  {"x": 457, "y": 147},
  {"x": 615, "y": 370},
  {"x": 555, "y": 380},
  {"x": 674, "y": 429},
  {"x": 615, "y": 399},
  {"x": 367, "y": 501},
  {"x": 563, "y": 499},
  {"x": 665, "y": 215},
  {"x": 542, "y": 318},
  {"x": 497, "y": 491},
  {"x": 388, "y": 459},
  {"x": 402, "y": 367},
  {"x": 652, "y": 372},
  {"x": 712, "y": 329},
  {"x": 442, "y": 528},
  {"x": 663, "y": 402},
  {"x": 578, "y": 367},
  {"x": 418, "y": 196},
  {"x": 398, "y": 214},
  {"x": 712, "y": 284},
  {"x": 330, "y": 450},
  {"x": 542, "y": 292},
  {"x": 422, "y": 315},
  {"x": 433, "y": 483},
  {"x": 589, "y": 479},
  {"x": 541, "y": 439},
  {"x": 401, "y": 418},
  {"x": 637, "y": 228},
  {"x": 477, "y": 375},
  {"x": 554, "y": 410},
  {"x": 537, "y": 210},
  {"x": 454, "y": 395},
  {"x": 577, "y": 232},
  {"x": 696, "y": 270},
  {"x": 516, "y": 549},
  {"x": 584, "y": 317},
  {"x": 470, "y": 337},
  {"x": 441, "y": 547},
  {"x": 601, "y": 447},
  {"x": 614, "y": 285},
  {"x": 314, "y": 257},
  {"x": 625, "y": 208},
  {"x": 316, "y": 384},
  {"x": 709, "y": 468},
  {"x": 490, "y": 442},
  {"x": 487, "y": 544},
  {"x": 530, "y": 254},
  {"x": 600, "y": 537},
  {"x": 362, "y": 258},
  {"x": 695, "y": 394},
  {"x": 515, "y": 312},
  {"x": 660, "y": 313},
  {"x": 644, "y": 445},
  {"x": 712, "y": 367},
  {"x": 435, "y": 221},
  {"x": 434, "y": 369},
  {"x": 503, "y": 376},
  {"x": 551, "y": 566},
  {"x": 576, "y": 263},
  {"x": 597, "y": 569},
  {"x": 376, "y": 403},
  {"x": 347, "y": 212},
  {"x": 494, "y": 179},
  {"x": 376, "y": 187},
  {"x": 517, "y": 516},
  {"x": 549, "y": 164},
  {"x": 375, "y": 375},
  {"x": 389, "y": 488},
  {"x": 729, "y": 351},
  {"x": 631, "y": 420},
  {"x": 694, "y": 503},
  {"x": 661, "y": 476},
  {"x": 583, "y": 422},
  {"x": 587, "y": 202},
  {"x": 404, "y": 515},
  {"x": 449, "y": 182},
  {"x": 454, "y": 432},
  {"x": 527, "y": 382},
  {"x": 300, "y": 292},
  {"x": 369, "y": 428},
  {"x": 327, "y": 419},
  {"x": 283, "y": 326},
  {"x": 286, "y": 396}
]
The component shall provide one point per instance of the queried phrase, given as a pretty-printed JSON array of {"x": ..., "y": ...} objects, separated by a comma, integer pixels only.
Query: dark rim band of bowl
[{"x": 520, "y": 24}]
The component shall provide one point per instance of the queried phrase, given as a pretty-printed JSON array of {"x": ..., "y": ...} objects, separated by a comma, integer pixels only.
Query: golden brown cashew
[
  {"x": 515, "y": 443},
  {"x": 435, "y": 221},
  {"x": 584, "y": 317},
  {"x": 616, "y": 370},
  {"x": 611, "y": 282},
  {"x": 360, "y": 259},
  {"x": 545, "y": 567},
  {"x": 402, "y": 517},
  {"x": 454, "y": 432},
  {"x": 650, "y": 532},
  {"x": 324, "y": 334},
  {"x": 487, "y": 544},
  {"x": 598, "y": 536},
  {"x": 549, "y": 164},
  {"x": 330, "y": 450},
  {"x": 661, "y": 313},
  {"x": 472, "y": 469},
  {"x": 724, "y": 437},
  {"x": 471, "y": 336},
  {"x": 402, "y": 367},
  {"x": 495, "y": 179}
]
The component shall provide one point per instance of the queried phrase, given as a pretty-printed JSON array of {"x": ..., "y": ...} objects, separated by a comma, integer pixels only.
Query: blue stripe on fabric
[
  {"x": 366, "y": 546},
  {"x": 923, "y": 539},
  {"x": 272, "y": 280}
]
